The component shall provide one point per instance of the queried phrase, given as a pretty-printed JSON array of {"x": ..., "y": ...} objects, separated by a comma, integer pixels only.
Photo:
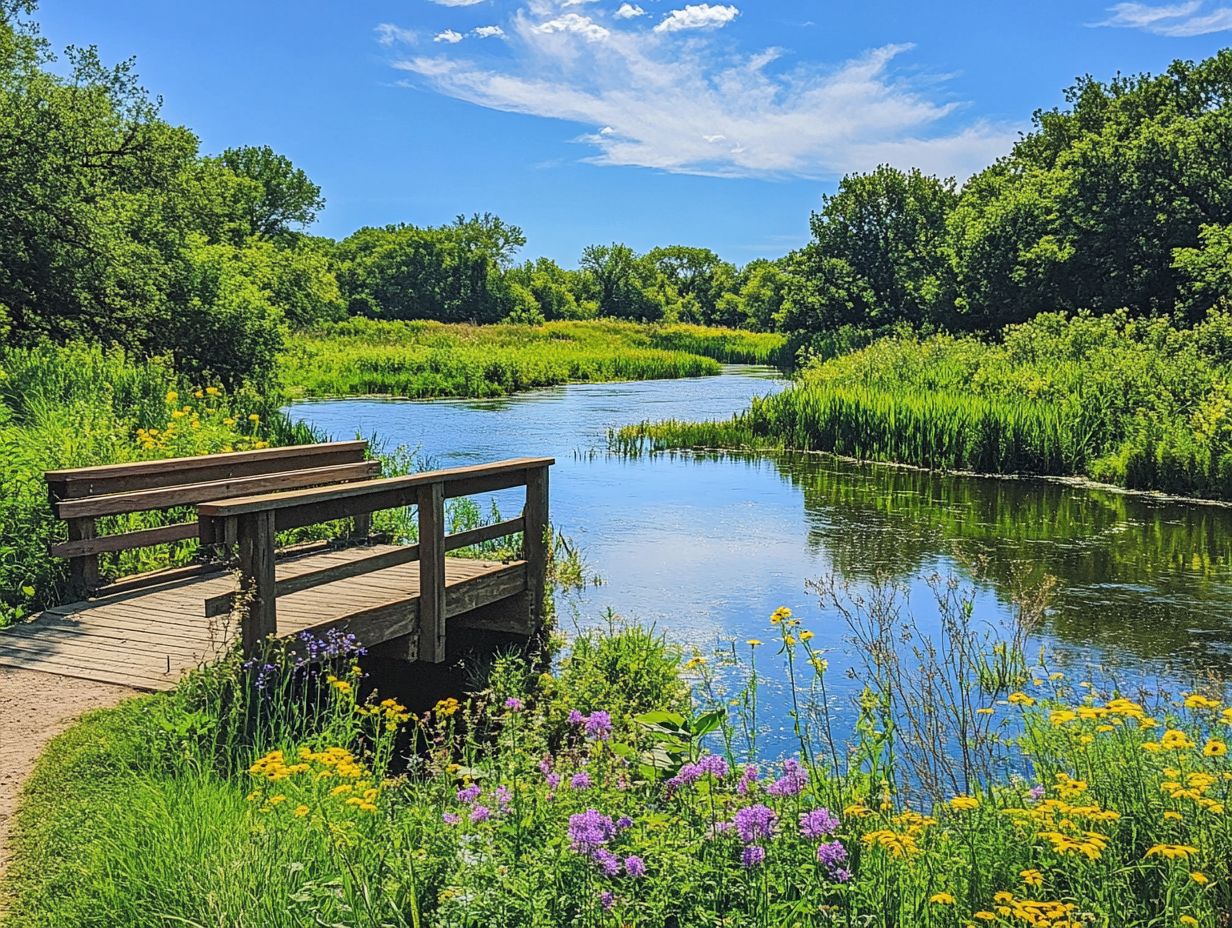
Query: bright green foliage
[
  {"x": 273, "y": 796},
  {"x": 1141, "y": 403},
  {"x": 425, "y": 359},
  {"x": 82, "y": 405},
  {"x": 451, "y": 273}
]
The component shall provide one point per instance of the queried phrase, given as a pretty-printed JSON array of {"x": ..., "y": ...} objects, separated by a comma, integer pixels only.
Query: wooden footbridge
[{"x": 146, "y": 630}]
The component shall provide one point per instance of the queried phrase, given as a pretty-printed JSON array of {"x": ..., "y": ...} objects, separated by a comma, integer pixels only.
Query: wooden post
[
  {"x": 83, "y": 569},
  {"x": 535, "y": 541},
  {"x": 361, "y": 527},
  {"x": 257, "y": 585},
  {"x": 431, "y": 502}
]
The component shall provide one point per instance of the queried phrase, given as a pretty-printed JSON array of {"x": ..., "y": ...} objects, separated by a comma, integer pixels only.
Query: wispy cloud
[
  {"x": 488, "y": 32},
  {"x": 697, "y": 16},
  {"x": 449, "y": 37},
  {"x": 689, "y": 103},
  {"x": 629, "y": 11},
  {"x": 388, "y": 34},
  {"x": 1180, "y": 20}
]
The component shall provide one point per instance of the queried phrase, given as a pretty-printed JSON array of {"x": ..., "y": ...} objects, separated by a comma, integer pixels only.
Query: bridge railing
[
  {"x": 252, "y": 523},
  {"x": 82, "y": 496}
]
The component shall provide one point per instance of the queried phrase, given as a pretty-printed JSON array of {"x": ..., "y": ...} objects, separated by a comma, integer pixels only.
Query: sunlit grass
[{"x": 430, "y": 359}]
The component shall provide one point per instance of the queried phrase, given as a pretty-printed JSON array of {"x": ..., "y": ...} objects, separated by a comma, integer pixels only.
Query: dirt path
[{"x": 34, "y": 708}]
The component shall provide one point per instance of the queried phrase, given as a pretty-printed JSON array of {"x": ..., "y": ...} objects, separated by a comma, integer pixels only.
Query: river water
[{"x": 705, "y": 547}]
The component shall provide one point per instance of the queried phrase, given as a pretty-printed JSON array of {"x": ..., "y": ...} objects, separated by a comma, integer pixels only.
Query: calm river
[{"x": 706, "y": 547}]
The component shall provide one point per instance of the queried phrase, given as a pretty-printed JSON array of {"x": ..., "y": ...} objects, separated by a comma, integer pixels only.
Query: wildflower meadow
[{"x": 285, "y": 791}]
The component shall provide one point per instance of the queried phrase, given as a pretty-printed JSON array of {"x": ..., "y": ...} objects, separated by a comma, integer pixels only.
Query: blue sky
[{"x": 657, "y": 122}]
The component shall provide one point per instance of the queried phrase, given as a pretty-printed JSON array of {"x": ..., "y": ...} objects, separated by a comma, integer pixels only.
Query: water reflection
[{"x": 706, "y": 546}]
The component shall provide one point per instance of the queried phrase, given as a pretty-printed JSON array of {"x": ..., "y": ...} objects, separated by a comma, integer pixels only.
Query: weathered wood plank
[
  {"x": 535, "y": 541},
  {"x": 189, "y": 494},
  {"x": 143, "y": 538},
  {"x": 376, "y": 493},
  {"x": 484, "y": 533},
  {"x": 431, "y": 506},
  {"x": 143, "y": 475},
  {"x": 222, "y": 604},
  {"x": 83, "y": 571},
  {"x": 257, "y": 581}
]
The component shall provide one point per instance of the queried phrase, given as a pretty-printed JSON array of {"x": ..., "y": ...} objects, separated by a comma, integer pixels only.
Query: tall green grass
[
  {"x": 431, "y": 359},
  {"x": 1141, "y": 403},
  {"x": 82, "y": 405}
]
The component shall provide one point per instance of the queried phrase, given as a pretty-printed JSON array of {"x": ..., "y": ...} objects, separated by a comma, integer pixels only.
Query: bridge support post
[
  {"x": 535, "y": 542},
  {"x": 258, "y": 591},
  {"x": 431, "y": 504},
  {"x": 83, "y": 569}
]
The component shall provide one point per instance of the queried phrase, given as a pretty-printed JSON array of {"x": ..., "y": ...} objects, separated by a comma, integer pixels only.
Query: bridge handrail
[{"x": 252, "y": 522}]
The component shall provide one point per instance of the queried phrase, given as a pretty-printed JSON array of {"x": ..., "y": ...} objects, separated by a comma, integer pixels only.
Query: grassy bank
[
  {"x": 431, "y": 359},
  {"x": 596, "y": 797},
  {"x": 1139, "y": 403},
  {"x": 81, "y": 405}
]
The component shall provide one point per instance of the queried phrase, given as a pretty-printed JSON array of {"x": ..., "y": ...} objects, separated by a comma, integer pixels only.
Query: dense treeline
[{"x": 115, "y": 226}]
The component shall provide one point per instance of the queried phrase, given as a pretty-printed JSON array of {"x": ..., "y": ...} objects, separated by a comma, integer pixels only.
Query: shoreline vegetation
[
  {"x": 422, "y": 360},
  {"x": 627, "y": 788},
  {"x": 1141, "y": 404}
]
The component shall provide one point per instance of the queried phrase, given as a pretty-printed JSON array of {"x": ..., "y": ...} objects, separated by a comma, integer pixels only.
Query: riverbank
[
  {"x": 604, "y": 793},
  {"x": 1141, "y": 404},
  {"x": 421, "y": 360}
]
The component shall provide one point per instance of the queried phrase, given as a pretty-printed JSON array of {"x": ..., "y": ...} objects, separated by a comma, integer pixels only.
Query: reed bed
[
  {"x": 1140, "y": 403},
  {"x": 429, "y": 359}
]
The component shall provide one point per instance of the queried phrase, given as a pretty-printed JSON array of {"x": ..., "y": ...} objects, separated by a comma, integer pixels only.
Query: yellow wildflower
[
  {"x": 301, "y": 811},
  {"x": 253, "y": 417},
  {"x": 1175, "y": 740},
  {"x": 1171, "y": 851},
  {"x": 964, "y": 803},
  {"x": 1189, "y": 921},
  {"x": 1032, "y": 877},
  {"x": 1214, "y": 748},
  {"x": 1062, "y": 716},
  {"x": 1198, "y": 701},
  {"x": 985, "y": 710},
  {"x": 806, "y": 635},
  {"x": 753, "y": 642},
  {"x": 941, "y": 899},
  {"x": 172, "y": 396},
  {"x": 1020, "y": 699},
  {"x": 1200, "y": 878}
]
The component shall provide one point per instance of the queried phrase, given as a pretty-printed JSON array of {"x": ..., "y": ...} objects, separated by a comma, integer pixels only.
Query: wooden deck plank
[{"x": 130, "y": 637}]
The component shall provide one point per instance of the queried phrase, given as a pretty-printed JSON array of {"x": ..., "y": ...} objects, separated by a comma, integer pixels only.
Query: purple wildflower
[
  {"x": 830, "y": 854},
  {"x": 841, "y": 875},
  {"x": 608, "y": 862},
  {"x": 748, "y": 777},
  {"x": 590, "y": 830},
  {"x": 635, "y": 866},
  {"x": 503, "y": 796},
  {"x": 624, "y": 822},
  {"x": 553, "y": 780},
  {"x": 513, "y": 704},
  {"x": 575, "y": 717},
  {"x": 689, "y": 773},
  {"x": 714, "y": 765},
  {"x": 580, "y": 780},
  {"x": 451, "y": 818},
  {"x": 752, "y": 856},
  {"x": 792, "y": 782},
  {"x": 817, "y": 824},
  {"x": 469, "y": 794},
  {"x": 754, "y": 823},
  {"x": 1036, "y": 793},
  {"x": 599, "y": 725},
  {"x": 546, "y": 765},
  {"x": 607, "y": 899},
  {"x": 480, "y": 814}
]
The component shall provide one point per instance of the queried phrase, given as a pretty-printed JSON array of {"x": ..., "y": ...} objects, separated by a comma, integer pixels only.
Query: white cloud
[
  {"x": 699, "y": 107},
  {"x": 448, "y": 36},
  {"x": 629, "y": 11},
  {"x": 388, "y": 34},
  {"x": 1178, "y": 20},
  {"x": 488, "y": 32},
  {"x": 697, "y": 16},
  {"x": 574, "y": 23}
]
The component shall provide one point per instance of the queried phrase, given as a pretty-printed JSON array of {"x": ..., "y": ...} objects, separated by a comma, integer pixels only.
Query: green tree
[
  {"x": 877, "y": 254},
  {"x": 696, "y": 277},
  {"x": 622, "y": 283},
  {"x": 282, "y": 198}
]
